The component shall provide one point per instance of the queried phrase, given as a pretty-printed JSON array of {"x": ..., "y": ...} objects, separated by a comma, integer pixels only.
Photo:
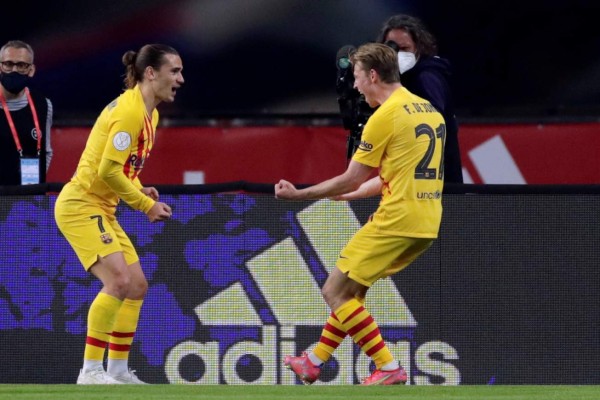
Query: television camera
[{"x": 354, "y": 109}]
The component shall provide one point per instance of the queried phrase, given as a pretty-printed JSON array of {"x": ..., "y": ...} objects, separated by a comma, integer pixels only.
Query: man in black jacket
[
  {"x": 426, "y": 75},
  {"x": 25, "y": 119}
]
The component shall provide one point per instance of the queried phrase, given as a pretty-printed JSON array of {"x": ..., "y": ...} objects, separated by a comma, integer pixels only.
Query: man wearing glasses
[{"x": 25, "y": 119}]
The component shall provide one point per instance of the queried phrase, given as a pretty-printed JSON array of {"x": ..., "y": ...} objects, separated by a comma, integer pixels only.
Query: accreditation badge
[{"x": 30, "y": 171}]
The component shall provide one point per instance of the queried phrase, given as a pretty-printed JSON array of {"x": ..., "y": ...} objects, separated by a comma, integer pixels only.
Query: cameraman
[{"x": 426, "y": 75}]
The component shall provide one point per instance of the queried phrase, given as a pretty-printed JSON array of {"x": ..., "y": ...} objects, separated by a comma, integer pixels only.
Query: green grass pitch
[{"x": 256, "y": 392}]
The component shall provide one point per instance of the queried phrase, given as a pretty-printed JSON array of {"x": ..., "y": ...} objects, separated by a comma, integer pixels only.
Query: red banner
[
  {"x": 536, "y": 154},
  {"x": 502, "y": 154}
]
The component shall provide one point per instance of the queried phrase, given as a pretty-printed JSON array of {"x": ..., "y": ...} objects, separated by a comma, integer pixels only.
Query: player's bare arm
[
  {"x": 370, "y": 188},
  {"x": 349, "y": 181}
]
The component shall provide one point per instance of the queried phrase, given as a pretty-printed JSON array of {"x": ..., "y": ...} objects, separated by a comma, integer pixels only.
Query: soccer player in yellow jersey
[
  {"x": 404, "y": 139},
  {"x": 115, "y": 153}
]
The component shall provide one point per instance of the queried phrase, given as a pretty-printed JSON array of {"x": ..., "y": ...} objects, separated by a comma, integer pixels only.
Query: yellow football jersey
[
  {"x": 405, "y": 138},
  {"x": 124, "y": 133}
]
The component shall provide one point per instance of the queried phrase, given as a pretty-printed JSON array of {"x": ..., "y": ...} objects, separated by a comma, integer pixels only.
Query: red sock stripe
[
  {"x": 334, "y": 317},
  {"x": 329, "y": 342},
  {"x": 122, "y": 334},
  {"x": 370, "y": 336},
  {"x": 375, "y": 348},
  {"x": 357, "y": 311},
  {"x": 95, "y": 342},
  {"x": 332, "y": 329},
  {"x": 360, "y": 326},
  {"x": 119, "y": 347}
]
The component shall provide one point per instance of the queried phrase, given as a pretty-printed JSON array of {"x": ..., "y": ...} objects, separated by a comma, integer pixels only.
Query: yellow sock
[
  {"x": 124, "y": 329},
  {"x": 101, "y": 318},
  {"x": 359, "y": 324},
  {"x": 332, "y": 336}
]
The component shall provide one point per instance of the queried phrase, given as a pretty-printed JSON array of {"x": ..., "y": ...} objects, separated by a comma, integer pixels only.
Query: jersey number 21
[{"x": 424, "y": 169}]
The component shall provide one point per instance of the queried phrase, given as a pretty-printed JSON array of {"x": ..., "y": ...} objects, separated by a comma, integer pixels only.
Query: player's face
[
  {"x": 363, "y": 83},
  {"x": 168, "y": 79},
  {"x": 403, "y": 39}
]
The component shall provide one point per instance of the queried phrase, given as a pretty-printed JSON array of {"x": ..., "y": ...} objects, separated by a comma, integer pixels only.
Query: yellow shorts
[
  {"x": 371, "y": 255},
  {"x": 90, "y": 230}
]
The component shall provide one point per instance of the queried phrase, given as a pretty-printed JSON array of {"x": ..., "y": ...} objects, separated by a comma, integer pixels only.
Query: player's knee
[
  {"x": 336, "y": 295},
  {"x": 138, "y": 289},
  {"x": 328, "y": 294},
  {"x": 120, "y": 285}
]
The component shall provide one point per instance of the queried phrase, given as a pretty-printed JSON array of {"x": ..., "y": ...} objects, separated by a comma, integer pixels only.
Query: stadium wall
[
  {"x": 508, "y": 294},
  {"x": 493, "y": 153}
]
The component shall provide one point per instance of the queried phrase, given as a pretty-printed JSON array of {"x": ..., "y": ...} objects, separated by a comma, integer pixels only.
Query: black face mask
[{"x": 14, "y": 82}]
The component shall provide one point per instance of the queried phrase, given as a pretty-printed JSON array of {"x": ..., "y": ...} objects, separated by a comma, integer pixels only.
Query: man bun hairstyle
[{"x": 150, "y": 55}]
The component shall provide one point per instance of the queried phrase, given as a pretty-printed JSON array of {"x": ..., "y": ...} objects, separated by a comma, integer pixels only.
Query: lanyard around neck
[{"x": 11, "y": 123}]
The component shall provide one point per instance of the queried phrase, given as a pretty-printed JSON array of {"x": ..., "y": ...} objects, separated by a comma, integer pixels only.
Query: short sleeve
[{"x": 374, "y": 140}]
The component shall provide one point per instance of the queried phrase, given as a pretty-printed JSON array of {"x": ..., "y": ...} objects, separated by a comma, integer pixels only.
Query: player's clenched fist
[
  {"x": 285, "y": 190},
  {"x": 159, "y": 212}
]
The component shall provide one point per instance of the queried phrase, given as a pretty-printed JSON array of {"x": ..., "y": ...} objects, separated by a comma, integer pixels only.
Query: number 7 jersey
[
  {"x": 123, "y": 133},
  {"x": 405, "y": 139}
]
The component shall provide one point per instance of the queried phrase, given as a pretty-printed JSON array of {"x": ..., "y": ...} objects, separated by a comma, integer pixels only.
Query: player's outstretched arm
[
  {"x": 370, "y": 188},
  {"x": 349, "y": 181}
]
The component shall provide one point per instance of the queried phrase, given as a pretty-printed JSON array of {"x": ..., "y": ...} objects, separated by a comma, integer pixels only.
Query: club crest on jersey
[
  {"x": 106, "y": 238},
  {"x": 122, "y": 141}
]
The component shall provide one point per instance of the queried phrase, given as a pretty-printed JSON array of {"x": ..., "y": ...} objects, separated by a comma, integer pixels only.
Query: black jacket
[{"x": 10, "y": 164}]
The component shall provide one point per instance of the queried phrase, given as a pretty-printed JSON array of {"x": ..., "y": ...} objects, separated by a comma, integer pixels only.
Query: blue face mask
[{"x": 14, "y": 82}]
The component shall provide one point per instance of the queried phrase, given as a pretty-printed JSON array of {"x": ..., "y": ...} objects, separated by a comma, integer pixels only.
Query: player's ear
[{"x": 150, "y": 73}]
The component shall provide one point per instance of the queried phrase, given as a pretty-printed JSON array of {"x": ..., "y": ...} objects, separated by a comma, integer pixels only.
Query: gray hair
[{"x": 17, "y": 44}]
